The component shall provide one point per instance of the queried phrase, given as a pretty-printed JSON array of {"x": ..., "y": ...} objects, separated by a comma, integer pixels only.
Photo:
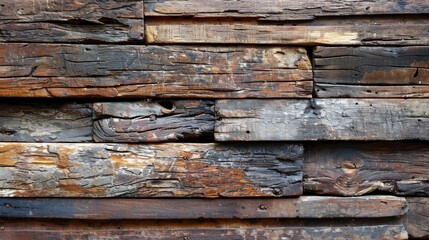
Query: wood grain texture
[
  {"x": 371, "y": 71},
  {"x": 352, "y": 169},
  {"x": 45, "y": 70},
  {"x": 157, "y": 170},
  {"x": 367, "y": 229},
  {"x": 322, "y": 119},
  {"x": 154, "y": 121},
  {"x": 281, "y": 10},
  {"x": 416, "y": 220},
  {"x": 302, "y": 207},
  {"x": 107, "y": 21},
  {"x": 45, "y": 122},
  {"x": 398, "y": 30}
]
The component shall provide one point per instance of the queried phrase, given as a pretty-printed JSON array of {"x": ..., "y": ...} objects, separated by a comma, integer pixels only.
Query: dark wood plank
[
  {"x": 352, "y": 169},
  {"x": 395, "y": 30},
  {"x": 302, "y": 207},
  {"x": 154, "y": 121},
  {"x": 156, "y": 170},
  {"x": 280, "y": 10},
  {"x": 322, "y": 119},
  {"x": 45, "y": 122},
  {"x": 45, "y": 70},
  {"x": 107, "y": 21},
  {"x": 416, "y": 220}
]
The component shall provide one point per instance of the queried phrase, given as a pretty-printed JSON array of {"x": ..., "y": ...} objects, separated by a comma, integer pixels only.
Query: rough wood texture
[
  {"x": 371, "y": 71},
  {"x": 368, "y": 229},
  {"x": 43, "y": 70},
  {"x": 45, "y": 122},
  {"x": 154, "y": 121},
  {"x": 322, "y": 119},
  {"x": 359, "y": 168},
  {"x": 399, "y": 30},
  {"x": 416, "y": 220},
  {"x": 157, "y": 170},
  {"x": 71, "y": 21},
  {"x": 280, "y": 10},
  {"x": 302, "y": 207}
]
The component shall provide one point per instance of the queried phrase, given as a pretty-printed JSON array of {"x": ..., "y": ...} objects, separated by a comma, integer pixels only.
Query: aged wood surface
[
  {"x": 399, "y": 30},
  {"x": 359, "y": 168},
  {"x": 107, "y": 21},
  {"x": 154, "y": 121},
  {"x": 45, "y": 70},
  {"x": 367, "y": 229},
  {"x": 302, "y": 207},
  {"x": 416, "y": 220},
  {"x": 278, "y": 10},
  {"x": 322, "y": 119},
  {"x": 371, "y": 71},
  {"x": 45, "y": 122},
  {"x": 156, "y": 170}
]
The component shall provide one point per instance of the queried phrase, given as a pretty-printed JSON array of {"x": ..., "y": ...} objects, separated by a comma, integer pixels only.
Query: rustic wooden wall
[{"x": 174, "y": 119}]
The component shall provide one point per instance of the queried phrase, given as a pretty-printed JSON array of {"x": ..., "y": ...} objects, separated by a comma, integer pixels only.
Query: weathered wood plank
[
  {"x": 45, "y": 70},
  {"x": 302, "y": 207},
  {"x": 157, "y": 170},
  {"x": 399, "y": 30},
  {"x": 324, "y": 90},
  {"x": 280, "y": 10},
  {"x": 416, "y": 220},
  {"x": 352, "y": 169},
  {"x": 154, "y": 121},
  {"x": 322, "y": 119},
  {"x": 202, "y": 229},
  {"x": 45, "y": 122}
]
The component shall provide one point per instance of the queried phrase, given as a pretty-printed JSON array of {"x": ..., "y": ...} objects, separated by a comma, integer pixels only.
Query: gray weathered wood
[
  {"x": 45, "y": 122},
  {"x": 324, "y": 90},
  {"x": 156, "y": 170},
  {"x": 71, "y": 21},
  {"x": 302, "y": 207},
  {"x": 359, "y": 168},
  {"x": 45, "y": 70},
  {"x": 154, "y": 121},
  {"x": 322, "y": 119},
  {"x": 416, "y": 220}
]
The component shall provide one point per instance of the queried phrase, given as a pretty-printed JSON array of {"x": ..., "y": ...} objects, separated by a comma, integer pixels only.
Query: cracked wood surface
[
  {"x": 45, "y": 122},
  {"x": 155, "y": 170},
  {"x": 416, "y": 220},
  {"x": 73, "y": 21},
  {"x": 371, "y": 72},
  {"x": 322, "y": 119},
  {"x": 281, "y": 10},
  {"x": 154, "y": 121},
  {"x": 352, "y": 169},
  {"x": 46, "y": 70}
]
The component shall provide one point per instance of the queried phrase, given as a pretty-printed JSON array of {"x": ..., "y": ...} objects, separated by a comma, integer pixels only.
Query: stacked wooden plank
[{"x": 173, "y": 119}]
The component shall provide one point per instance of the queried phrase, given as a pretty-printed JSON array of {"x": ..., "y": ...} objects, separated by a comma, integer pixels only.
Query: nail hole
[
  {"x": 248, "y": 132},
  {"x": 166, "y": 104},
  {"x": 367, "y": 8},
  {"x": 263, "y": 208}
]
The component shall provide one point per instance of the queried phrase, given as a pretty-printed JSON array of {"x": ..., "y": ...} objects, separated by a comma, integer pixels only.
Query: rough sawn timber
[
  {"x": 352, "y": 169},
  {"x": 151, "y": 170},
  {"x": 154, "y": 121},
  {"x": 108, "y": 21},
  {"x": 46, "y": 70},
  {"x": 416, "y": 220},
  {"x": 322, "y": 119}
]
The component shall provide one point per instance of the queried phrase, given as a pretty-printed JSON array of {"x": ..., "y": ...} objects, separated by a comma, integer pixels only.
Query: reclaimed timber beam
[
  {"x": 156, "y": 170},
  {"x": 203, "y": 229},
  {"x": 396, "y": 30},
  {"x": 322, "y": 119},
  {"x": 302, "y": 207},
  {"x": 280, "y": 10},
  {"x": 352, "y": 169},
  {"x": 47, "y": 70},
  {"x": 45, "y": 122},
  {"x": 72, "y": 21},
  {"x": 154, "y": 121},
  {"x": 371, "y": 72},
  {"x": 416, "y": 220}
]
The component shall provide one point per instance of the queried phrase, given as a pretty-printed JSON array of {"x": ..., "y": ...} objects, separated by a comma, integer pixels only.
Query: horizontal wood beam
[
  {"x": 322, "y": 119},
  {"x": 416, "y": 220}
]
